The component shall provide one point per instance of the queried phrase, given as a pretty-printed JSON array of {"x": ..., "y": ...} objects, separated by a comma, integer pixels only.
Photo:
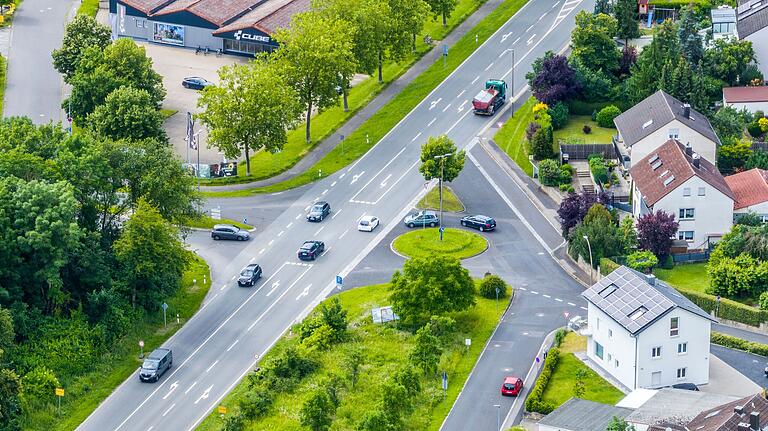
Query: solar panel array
[{"x": 631, "y": 293}]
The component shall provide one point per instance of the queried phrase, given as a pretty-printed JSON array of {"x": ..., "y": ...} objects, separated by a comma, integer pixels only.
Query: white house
[
  {"x": 750, "y": 98},
  {"x": 660, "y": 117},
  {"x": 644, "y": 333},
  {"x": 675, "y": 179},
  {"x": 752, "y": 25},
  {"x": 750, "y": 192}
]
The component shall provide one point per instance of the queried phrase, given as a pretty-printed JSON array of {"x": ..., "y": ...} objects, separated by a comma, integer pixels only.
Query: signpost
[
  {"x": 59, "y": 394},
  {"x": 141, "y": 346},
  {"x": 164, "y": 307}
]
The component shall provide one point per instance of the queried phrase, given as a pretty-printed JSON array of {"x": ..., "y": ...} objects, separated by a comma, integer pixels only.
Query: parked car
[
  {"x": 481, "y": 222},
  {"x": 310, "y": 250},
  {"x": 196, "y": 83},
  {"x": 155, "y": 365},
  {"x": 319, "y": 211},
  {"x": 511, "y": 386},
  {"x": 686, "y": 386},
  {"x": 421, "y": 219},
  {"x": 249, "y": 275},
  {"x": 367, "y": 224},
  {"x": 227, "y": 231}
]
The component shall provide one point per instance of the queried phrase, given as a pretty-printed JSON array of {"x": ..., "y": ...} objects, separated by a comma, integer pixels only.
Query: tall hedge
[{"x": 534, "y": 403}]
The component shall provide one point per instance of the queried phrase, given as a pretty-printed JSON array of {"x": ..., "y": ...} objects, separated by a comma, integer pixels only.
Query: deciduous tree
[{"x": 81, "y": 33}]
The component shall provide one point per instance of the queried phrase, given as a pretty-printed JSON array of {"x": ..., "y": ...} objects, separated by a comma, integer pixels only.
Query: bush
[
  {"x": 607, "y": 266},
  {"x": 534, "y": 403},
  {"x": 739, "y": 344},
  {"x": 559, "y": 114},
  {"x": 586, "y": 129},
  {"x": 606, "y": 115},
  {"x": 490, "y": 283},
  {"x": 727, "y": 309}
]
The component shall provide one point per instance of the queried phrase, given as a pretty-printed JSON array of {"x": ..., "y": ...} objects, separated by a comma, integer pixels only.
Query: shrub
[
  {"x": 739, "y": 344},
  {"x": 534, "y": 403},
  {"x": 607, "y": 266},
  {"x": 490, "y": 283},
  {"x": 559, "y": 114},
  {"x": 606, "y": 115},
  {"x": 642, "y": 261},
  {"x": 586, "y": 129}
]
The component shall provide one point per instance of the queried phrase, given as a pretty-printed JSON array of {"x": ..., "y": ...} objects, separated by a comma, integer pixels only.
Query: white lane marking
[
  {"x": 434, "y": 103},
  {"x": 416, "y": 137},
  {"x": 204, "y": 395},
  {"x": 319, "y": 230},
  {"x": 356, "y": 177},
  {"x": 211, "y": 366},
  {"x": 190, "y": 388},
  {"x": 432, "y": 122},
  {"x": 558, "y": 300},
  {"x": 333, "y": 183},
  {"x": 534, "y": 292},
  {"x": 460, "y": 94},
  {"x": 446, "y": 107},
  {"x": 280, "y": 233},
  {"x": 378, "y": 173},
  {"x": 304, "y": 292},
  {"x": 546, "y": 296},
  {"x": 169, "y": 409},
  {"x": 489, "y": 66},
  {"x": 342, "y": 235},
  {"x": 461, "y": 108},
  {"x": 384, "y": 183},
  {"x": 516, "y": 40},
  {"x": 571, "y": 304},
  {"x": 275, "y": 285},
  {"x": 233, "y": 345},
  {"x": 530, "y": 39},
  {"x": 174, "y": 385},
  {"x": 271, "y": 241},
  {"x": 336, "y": 213},
  {"x": 289, "y": 225},
  {"x": 262, "y": 251},
  {"x": 324, "y": 192},
  {"x": 476, "y": 78}
]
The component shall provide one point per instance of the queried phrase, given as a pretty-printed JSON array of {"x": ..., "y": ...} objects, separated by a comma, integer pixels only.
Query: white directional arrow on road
[
  {"x": 173, "y": 388},
  {"x": 384, "y": 183},
  {"x": 204, "y": 395},
  {"x": 274, "y": 287},
  {"x": 356, "y": 177}
]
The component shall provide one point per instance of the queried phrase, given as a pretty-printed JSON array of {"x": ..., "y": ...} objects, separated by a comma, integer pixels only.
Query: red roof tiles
[{"x": 749, "y": 187}]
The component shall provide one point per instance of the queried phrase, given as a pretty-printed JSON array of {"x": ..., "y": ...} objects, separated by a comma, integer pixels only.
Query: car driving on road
[
  {"x": 227, "y": 231},
  {"x": 421, "y": 219},
  {"x": 196, "y": 83},
  {"x": 319, "y": 211},
  {"x": 249, "y": 275},
  {"x": 155, "y": 365},
  {"x": 480, "y": 222},
  {"x": 367, "y": 224},
  {"x": 310, "y": 250}
]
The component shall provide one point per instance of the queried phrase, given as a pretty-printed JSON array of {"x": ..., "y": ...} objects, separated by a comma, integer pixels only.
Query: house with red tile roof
[
  {"x": 750, "y": 192},
  {"x": 677, "y": 180}
]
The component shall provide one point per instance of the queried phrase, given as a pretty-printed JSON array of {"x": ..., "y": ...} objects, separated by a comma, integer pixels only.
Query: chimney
[
  {"x": 754, "y": 421},
  {"x": 696, "y": 160},
  {"x": 686, "y": 110},
  {"x": 742, "y": 426},
  {"x": 650, "y": 279},
  {"x": 688, "y": 149},
  {"x": 739, "y": 410}
]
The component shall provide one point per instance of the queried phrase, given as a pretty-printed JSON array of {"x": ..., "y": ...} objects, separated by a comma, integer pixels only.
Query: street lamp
[
  {"x": 442, "y": 158},
  {"x": 498, "y": 416},
  {"x": 591, "y": 264}
]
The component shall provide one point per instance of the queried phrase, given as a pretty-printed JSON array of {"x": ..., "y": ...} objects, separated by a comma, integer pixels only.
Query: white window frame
[
  {"x": 656, "y": 352},
  {"x": 674, "y": 327}
]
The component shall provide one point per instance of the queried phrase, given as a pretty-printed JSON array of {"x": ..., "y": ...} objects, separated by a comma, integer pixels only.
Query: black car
[
  {"x": 310, "y": 250},
  {"x": 249, "y": 275},
  {"x": 196, "y": 83},
  {"x": 226, "y": 231},
  {"x": 319, "y": 211},
  {"x": 481, "y": 222},
  {"x": 155, "y": 365}
]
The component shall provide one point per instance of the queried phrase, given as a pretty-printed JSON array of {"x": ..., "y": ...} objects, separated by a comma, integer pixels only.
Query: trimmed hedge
[
  {"x": 607, "y": 266},
  {"x": 729, "y": 309},
  {"x": 739, "y": 344},
  {"x": 534, "y": 403}
]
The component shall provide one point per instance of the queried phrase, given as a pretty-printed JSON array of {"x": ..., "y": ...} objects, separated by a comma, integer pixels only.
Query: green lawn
[
  {"x": 431, "y": 201},
  {"x": 560, "y": 387},
  {"x": 573, "y": 131},
  {"x": 206, "y": 222},
  {"x": 511, "y": 137},
  {"x": 693, "y": 276},
  {"x": 88, "y": 7},
  {"x": 370, "y": 132},
  {"x": 385, "y": 348},
  {"x": 85, "y": 392},
  {"x": 422, "y": 242}
]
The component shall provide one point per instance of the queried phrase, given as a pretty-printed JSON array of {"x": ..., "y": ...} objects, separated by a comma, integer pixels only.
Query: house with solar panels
[{"x": 644, "y": 333}]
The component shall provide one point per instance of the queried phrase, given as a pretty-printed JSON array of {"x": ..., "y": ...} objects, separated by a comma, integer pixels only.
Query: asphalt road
[
  {"x": 33, "y": 86},
  {"x": 224, "y": 340}
]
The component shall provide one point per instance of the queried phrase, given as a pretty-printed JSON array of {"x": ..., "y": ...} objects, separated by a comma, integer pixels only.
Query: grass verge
[
  {"x": 457, "y": 243},
  {"x": 88, "y": 7},
  {"x": 511, "y": 137},
  {"x": 693, "y": 276},
  {"x": 385, "y": 119},
  {"x": 431, "y": 201},
  {"x": 206, "y": 222},
  {"x": 573, "y": 132},
  {"x": 383, "y": 349},
  {"x": 85, "y": 392},
  {"x": 563, "y": 379}
]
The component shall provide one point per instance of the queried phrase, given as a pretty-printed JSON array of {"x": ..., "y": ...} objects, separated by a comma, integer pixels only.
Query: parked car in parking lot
[
  {"x": 196, "y": 83},
  {"x": 319, "y": 211},
  {"x": 249, "y": 275},
  {"x": 421, "y": 219},
  {"x": 310, "y": 250},
  {"x": 511, "y": 386},
  {"x": 480, "y": 222},
  {"x": 227, "y": 231},
  {"x": 155, "y": 365},
  {"x": 367, "y": 224}
]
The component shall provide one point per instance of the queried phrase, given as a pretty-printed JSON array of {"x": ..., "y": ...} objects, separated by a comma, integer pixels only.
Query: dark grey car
[
  {"x": 226, "y": 231},
  {"x": 155, "y": 365}
]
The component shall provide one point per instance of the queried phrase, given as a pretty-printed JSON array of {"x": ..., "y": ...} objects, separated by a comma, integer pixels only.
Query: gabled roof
[
  {"x": 627, "y": 297},
  {"x": 583, "y": 415},
  {"x": 745, "y": 94},
  {"x": 751, "y": 17},
  {"x": 749, "y": 187},
  {"x": 668, "y": 167},
  {"x": 656, "y": 111},
  {"x": 725, "y": 418}
]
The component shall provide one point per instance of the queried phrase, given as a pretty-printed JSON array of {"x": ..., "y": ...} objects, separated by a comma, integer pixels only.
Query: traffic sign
[
  {"x": 59, "y": 392},
  {"x": 222, "y": 410},
  {"x": 339, "y": 280}
]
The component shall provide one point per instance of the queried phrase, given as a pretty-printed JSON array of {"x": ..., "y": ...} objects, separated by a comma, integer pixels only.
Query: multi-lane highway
[{"x": 236, "y": 326}]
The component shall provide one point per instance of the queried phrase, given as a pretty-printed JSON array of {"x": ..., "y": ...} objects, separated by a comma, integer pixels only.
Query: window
[
  {"x": 686, "y": 214},
  {"x": 610, "y": 333},
  {"x": 702, "y": 191},
  {"x": 685, "y": 234},
  {"x": 674, "y": 133},
  {"x": 674, "y": 327},
  {"x": 598, "y": 350},
  {"x": 656, "y": 352},
  {"x": 681, "y": 373},
  {"x": 687, "y": 191},
  {"x": 682, "y": 348}
]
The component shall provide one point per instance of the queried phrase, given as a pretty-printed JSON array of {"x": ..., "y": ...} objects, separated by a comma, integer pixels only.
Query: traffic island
[{"x": 457, "y": 243}]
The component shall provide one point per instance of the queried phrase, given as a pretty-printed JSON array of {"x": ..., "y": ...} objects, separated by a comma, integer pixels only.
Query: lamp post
[
  {"x": 498, "y": 416},
  {"x": 442, "y": 158},
  {"x": 591, "y": 264}
]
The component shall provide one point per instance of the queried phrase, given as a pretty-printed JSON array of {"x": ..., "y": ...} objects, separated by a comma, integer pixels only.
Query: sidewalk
[{"x": 393, "y": 89}]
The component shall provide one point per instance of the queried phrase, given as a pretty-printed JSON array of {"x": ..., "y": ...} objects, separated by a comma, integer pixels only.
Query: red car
[{"x": 511, "y": 386}]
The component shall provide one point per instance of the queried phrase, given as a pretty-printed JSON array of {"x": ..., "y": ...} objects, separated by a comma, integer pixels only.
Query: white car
[{"x": 367, "y": 224}]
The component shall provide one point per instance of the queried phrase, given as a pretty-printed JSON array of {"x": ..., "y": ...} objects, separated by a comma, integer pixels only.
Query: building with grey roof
[
  {"x": 582, "y": 415},
  {"x": 644, "y": 333}
]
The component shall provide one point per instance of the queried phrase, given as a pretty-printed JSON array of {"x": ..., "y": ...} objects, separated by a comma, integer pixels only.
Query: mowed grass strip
[
  {"x": 431, "y": 201},
  {"x": 457, "y": 243}
]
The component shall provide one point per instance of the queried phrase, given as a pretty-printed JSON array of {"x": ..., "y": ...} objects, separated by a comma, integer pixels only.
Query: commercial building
[{"x": 242, "y": 27}]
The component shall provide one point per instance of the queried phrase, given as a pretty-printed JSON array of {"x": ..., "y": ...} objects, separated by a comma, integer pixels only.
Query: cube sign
[{"x": 59, "y": 392}]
